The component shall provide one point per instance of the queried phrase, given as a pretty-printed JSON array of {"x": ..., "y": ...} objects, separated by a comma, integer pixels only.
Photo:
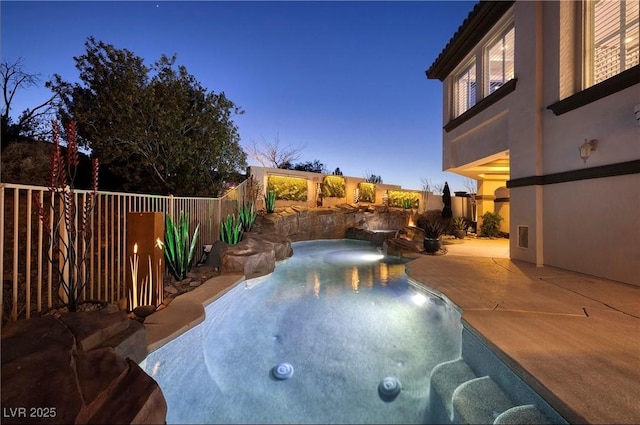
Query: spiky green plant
[
  {"x": 247, "y": 216},
  {"x": 179, "y": 248},
  {"x": 270, "y": 201},
  {"x": 231, "y": 230}
]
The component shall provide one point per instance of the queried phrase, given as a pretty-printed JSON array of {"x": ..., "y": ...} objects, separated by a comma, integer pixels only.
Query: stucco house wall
[{"x": 589, "y": 220}]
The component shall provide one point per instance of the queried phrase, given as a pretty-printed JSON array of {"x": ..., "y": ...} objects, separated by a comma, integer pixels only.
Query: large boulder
[
  {"x": 281, "y": 245},
  {"x": 300, "y": 223},
  {"x": 397, "y": 247},
  {"x": 69, "y": 369},
  {"x": 251, "y": 257}
]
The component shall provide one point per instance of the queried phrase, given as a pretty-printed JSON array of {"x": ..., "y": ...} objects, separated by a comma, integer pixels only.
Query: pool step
[
  {"x": 445, "y": 378},
  {"x": 479, "y": 401},
  {"x": 527, "y": 414},
  {"x": 458, "y": 396}
]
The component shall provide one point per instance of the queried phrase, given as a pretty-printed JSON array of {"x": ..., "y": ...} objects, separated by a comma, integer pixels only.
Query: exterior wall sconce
[
  {"x": 636, "y": 111},
  {"x": 586, "y": 148}
]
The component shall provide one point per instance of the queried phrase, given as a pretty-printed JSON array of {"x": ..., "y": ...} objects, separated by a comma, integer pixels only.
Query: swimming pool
[{"x": 341, "y": 315}]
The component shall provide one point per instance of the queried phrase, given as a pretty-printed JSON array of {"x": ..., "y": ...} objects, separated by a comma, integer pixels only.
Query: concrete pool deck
[{"x": 573, "y": 338}]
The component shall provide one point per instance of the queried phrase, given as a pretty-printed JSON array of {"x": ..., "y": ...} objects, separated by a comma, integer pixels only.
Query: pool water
[{"x": 341, "y": 315}]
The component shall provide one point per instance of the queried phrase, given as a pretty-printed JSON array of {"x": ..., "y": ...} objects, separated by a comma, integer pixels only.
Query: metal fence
[{"x": 29, "y": 281}]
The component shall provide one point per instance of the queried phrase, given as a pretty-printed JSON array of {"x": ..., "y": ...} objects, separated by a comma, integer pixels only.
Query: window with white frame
[
  {"x": 499, "y": 59},
  {"x": 612, "y": 47},
  {"x": 465, "y": 90}
]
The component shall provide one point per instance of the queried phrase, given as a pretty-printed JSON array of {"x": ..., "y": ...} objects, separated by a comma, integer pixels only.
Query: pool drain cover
[
  {"x": 389, "y": 387},
  {"x": 282, "y": 371}
]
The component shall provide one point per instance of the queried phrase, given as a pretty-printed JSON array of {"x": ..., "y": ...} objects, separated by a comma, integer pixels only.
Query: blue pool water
[{"x": 341, "y": 315}]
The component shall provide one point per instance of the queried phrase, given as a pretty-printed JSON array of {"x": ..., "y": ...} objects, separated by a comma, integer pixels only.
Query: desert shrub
[
  {"x": 490, "y": 224},
  {"x": 270, "y": 201},
  {"x": 231, "y": 229},
  {"x": 179, "y": 246}
]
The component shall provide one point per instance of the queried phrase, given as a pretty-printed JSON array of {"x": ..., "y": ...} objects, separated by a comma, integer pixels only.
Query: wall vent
[{"x": 523, "y": 236}]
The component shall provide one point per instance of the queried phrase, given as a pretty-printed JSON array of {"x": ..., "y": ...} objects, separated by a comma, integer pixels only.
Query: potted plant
[
  {"x": 459, "y": 225},
  {"x": 432, "y": 232}
]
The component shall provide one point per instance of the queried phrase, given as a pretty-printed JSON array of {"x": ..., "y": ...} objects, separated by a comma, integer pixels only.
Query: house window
[
  {"x": 499, "y": 62},
  {"x": 465, "y": 90},
  {"x": 612, "y": 26}
]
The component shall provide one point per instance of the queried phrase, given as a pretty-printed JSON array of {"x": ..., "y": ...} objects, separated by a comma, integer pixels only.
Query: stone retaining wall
[{"x": 303, "y": 223}]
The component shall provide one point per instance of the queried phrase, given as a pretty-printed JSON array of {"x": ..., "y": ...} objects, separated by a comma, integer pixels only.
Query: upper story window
[
  {"x": 465, "y": 89},
  {"x": 612, "y": 41},
  {"x": 495, "y": 59},
  {"x": 499, "y": 66}
]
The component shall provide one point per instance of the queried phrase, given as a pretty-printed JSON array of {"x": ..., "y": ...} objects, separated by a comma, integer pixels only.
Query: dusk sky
[{"x": 346, "y": 79}]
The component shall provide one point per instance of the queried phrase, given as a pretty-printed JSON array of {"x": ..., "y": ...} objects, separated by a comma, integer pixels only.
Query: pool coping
[{"x": 186, "y": 311}]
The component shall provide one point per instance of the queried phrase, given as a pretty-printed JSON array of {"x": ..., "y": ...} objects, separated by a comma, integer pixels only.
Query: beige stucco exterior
[
  {"x": 460, "y": 206},
  {"x": 586, "y": 224}
]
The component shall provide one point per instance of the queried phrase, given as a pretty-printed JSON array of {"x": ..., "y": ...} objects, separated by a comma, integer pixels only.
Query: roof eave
[{"x": 481, "y": 19}]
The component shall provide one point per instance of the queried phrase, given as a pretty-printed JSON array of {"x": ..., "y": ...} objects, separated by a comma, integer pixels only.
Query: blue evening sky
[{"x": 346, "y": 79}]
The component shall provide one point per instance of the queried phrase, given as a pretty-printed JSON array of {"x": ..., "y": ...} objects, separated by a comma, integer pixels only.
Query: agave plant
[
  {"x": 433, "y": 230},
  {"x": 459, "y": 223},
  {"x": 270, "y": 201},
  {"x": 247, "y": 216},
  {"x": 231, "y": 230},
  {"x": 179, "y": 248}
]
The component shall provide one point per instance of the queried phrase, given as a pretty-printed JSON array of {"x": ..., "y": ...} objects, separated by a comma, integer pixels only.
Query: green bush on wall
[
  {"x": 334, "y": 187},
  {"x": 399, "y": 198},
  {"x": 367, "y": 192},
  {"x": 288, "y": 188}
]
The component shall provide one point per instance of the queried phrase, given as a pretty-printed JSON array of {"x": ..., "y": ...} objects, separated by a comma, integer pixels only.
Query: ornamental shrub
[{"x": 490, "y": 224}]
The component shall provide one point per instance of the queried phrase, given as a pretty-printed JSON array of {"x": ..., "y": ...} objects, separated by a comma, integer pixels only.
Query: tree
[
  {"x": 33, "y": 122},
  {"x": 471, "y": 185},
  {"x": 472, "y": 188},
  {"x": 271, "y": 154},
  {"x": 313, "y": 167},
  {"x": 156, "y": 127},
  {"x": 447, "y": 213},
  {"x": 373, "y": 178},
  {"x": 429, "y": 186}
]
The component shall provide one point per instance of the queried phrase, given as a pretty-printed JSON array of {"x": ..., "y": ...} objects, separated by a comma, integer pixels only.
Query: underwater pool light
[
  {"x": 419, "y": 299},
  {"x": 372, "y": 257}
]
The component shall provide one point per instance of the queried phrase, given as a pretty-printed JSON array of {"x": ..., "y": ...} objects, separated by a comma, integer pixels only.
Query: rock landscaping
[{"x": 78, "y": 368}]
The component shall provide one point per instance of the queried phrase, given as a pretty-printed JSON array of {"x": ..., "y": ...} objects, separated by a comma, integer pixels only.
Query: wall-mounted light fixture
[
  {"x": 636, "y": 111},
  {"x": 586, "y": 148}
]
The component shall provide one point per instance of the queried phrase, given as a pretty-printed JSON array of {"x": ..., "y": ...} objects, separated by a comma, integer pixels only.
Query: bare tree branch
[
  {"x": 470, "y": 184},
  {"x": 271, "y": 154},
  {"x": 429, "y": 186},
  {"x": 13, "y": 78}
]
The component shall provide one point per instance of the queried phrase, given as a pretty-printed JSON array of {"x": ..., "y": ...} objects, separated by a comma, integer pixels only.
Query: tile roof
[{"x": 476, "y": 25}]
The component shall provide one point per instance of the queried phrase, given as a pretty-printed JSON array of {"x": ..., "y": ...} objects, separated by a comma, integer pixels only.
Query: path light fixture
[{"x": 586, "y": 148}]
